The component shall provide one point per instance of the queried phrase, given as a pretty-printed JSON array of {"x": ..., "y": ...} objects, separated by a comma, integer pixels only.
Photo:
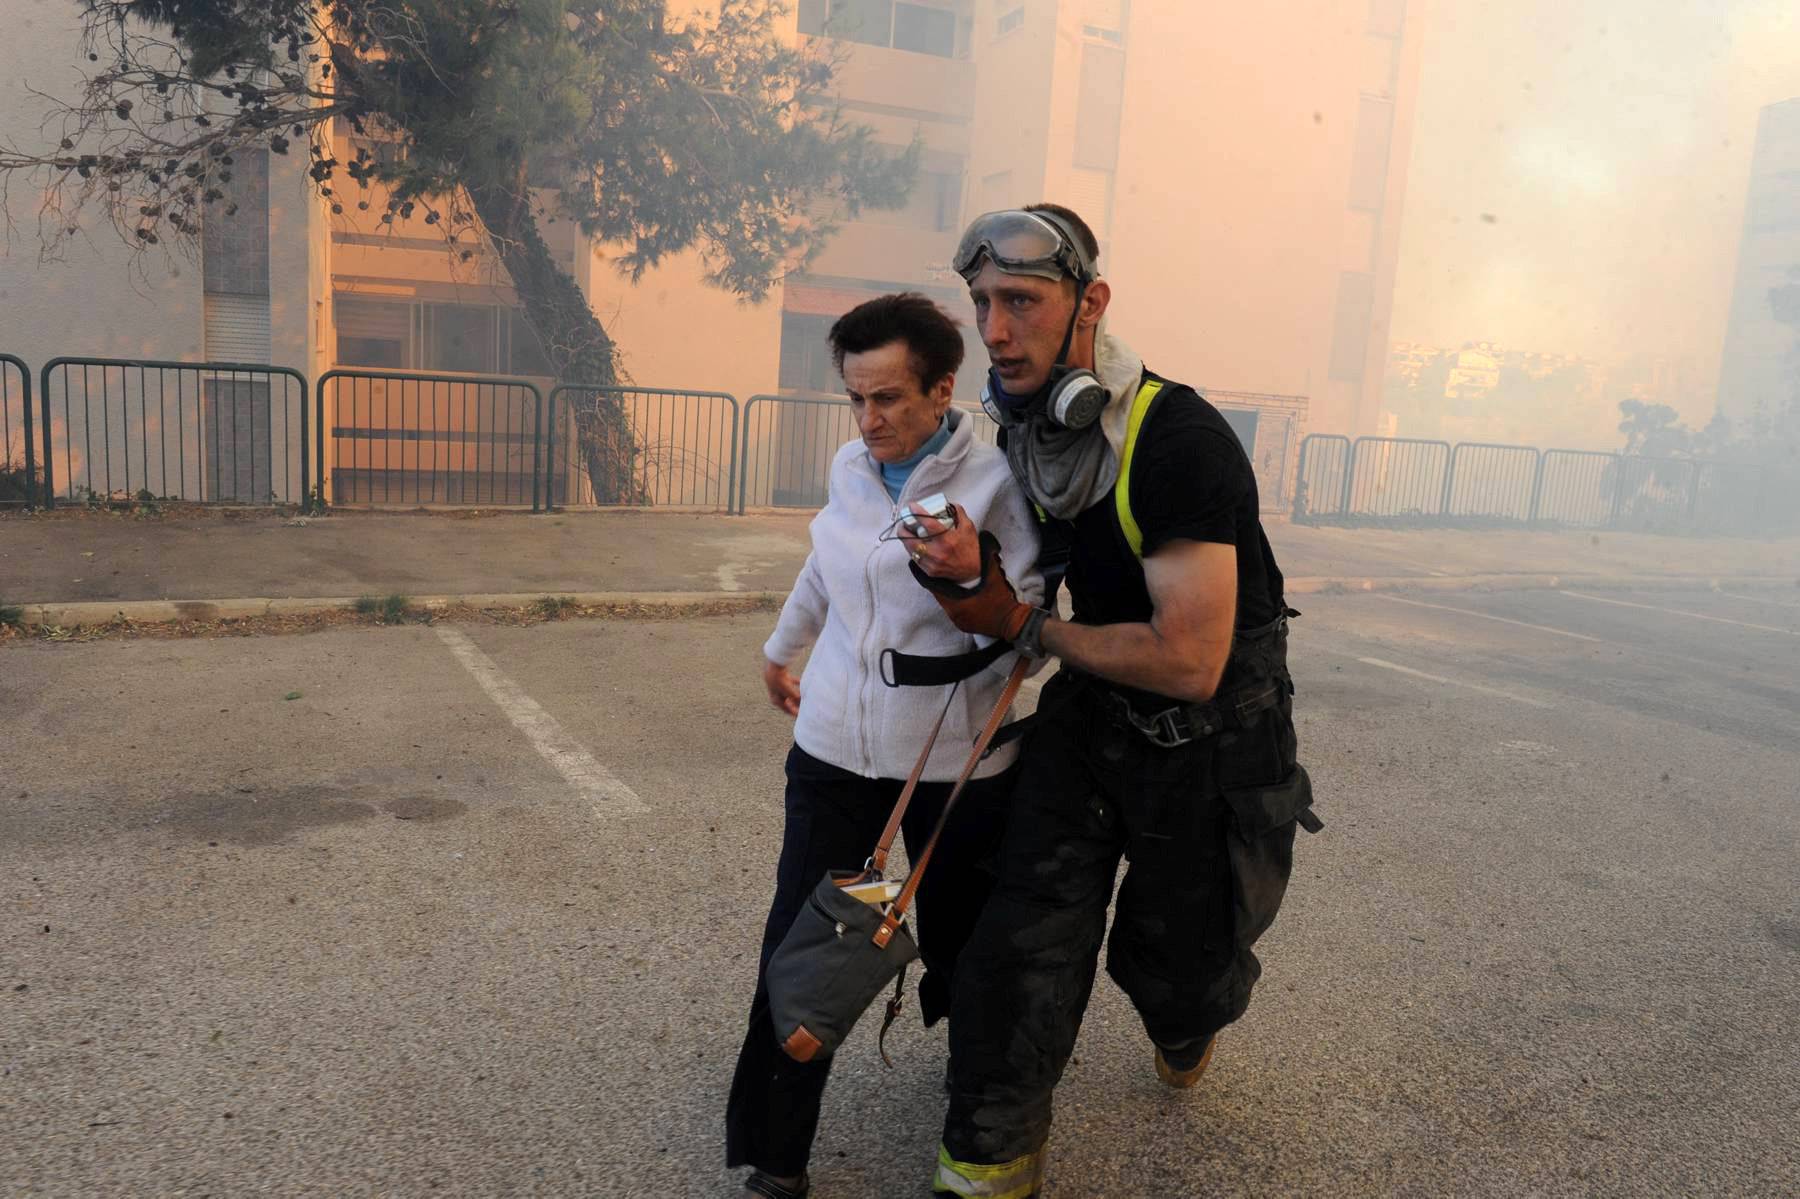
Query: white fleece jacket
[{"x": 855, "y": 597}]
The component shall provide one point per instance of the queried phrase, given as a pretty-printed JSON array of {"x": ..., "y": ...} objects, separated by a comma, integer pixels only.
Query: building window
[
  {"x": 1010, "y": 21},
  {"x": 460, "y": 338},
  {"x": 806, "y": 354},
  {"x": 925, "y": 30},
  {"x": 235, "y": 244},
  {"x": 525, "y": 353},
  {"x": 472, "y": 339},
  {"x": 373, "y": 333},
  {"x": 919, "y": 28},
  {"x": 812, "y": 17},
  {"x": 870, "y": 22},
  {"x": 935, "y": 202},
  {"x": 234, "y": 264},
  {"x": 1098, "y": 107}
]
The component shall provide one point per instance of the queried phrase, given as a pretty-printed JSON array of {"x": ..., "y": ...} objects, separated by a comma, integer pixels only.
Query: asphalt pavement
[{"x": 473, "y": 909}]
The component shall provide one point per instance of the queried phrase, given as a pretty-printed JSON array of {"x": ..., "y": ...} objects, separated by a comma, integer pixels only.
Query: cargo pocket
[{"x": 1261, "y": 845}]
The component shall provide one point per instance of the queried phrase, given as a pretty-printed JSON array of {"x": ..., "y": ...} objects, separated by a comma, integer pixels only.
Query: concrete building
[
  {"x": 1243, "y": 165},
  {"x": 1761, "y": 363}
]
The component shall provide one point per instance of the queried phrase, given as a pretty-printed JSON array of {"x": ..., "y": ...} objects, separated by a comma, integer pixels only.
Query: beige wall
[
  {"x": 1231, "y": 194},
  {"x": 93, "y": 302},
  {"x": 101, "y": 299},
  {"x": 675, "y": 331}
]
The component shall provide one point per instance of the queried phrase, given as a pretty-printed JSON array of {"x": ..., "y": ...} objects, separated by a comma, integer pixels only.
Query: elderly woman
[{"x": 855, "y": 738}]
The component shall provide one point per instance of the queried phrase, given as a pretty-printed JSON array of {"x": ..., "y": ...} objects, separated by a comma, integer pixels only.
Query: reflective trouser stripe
[{"x": 1016, "y": 1179}]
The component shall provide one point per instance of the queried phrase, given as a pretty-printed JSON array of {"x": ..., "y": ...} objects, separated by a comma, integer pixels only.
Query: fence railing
[
  {"x": 1575, "y": 489},
  {"x": 790, "y": 440},
  {"x": 211, "y": 432},
  {"x": 18, "y": 448},
  {"x": 682, "y": 449},
  {"x": 1399, "y": 481},
  {"x": 253, "y": 433},
  {"x": 1322, "y": 485},
  {"x": 788, "y": 445},
  {"x": 1491, "y": 483},
  {"x": 419, "y": 439}
]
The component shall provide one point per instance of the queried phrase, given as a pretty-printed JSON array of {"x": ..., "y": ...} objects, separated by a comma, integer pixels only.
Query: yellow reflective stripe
[
  {"x": 1016, "y": 1179},
  {"x": 1134, "y": 536}
]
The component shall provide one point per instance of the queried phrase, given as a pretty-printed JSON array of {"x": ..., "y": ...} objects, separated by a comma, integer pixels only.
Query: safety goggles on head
[{"x": 1023, "y": 243}]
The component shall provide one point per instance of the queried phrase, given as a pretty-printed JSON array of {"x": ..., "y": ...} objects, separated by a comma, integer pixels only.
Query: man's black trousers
[
  {"x": 833, "y": 820},
  {"x": 1209, "y": 831}
]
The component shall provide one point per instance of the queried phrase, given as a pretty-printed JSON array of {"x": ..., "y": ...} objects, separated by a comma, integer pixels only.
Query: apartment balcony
[
  {"x": 896, "y": 254},
  {"x": 906, "y": 83}
]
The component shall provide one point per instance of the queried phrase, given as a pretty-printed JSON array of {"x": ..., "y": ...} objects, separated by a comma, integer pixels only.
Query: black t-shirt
[{"x": 1190, "y": 480}]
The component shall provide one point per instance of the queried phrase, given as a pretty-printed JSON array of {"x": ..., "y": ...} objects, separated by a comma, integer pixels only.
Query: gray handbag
[{"x": 841, "y": 952}]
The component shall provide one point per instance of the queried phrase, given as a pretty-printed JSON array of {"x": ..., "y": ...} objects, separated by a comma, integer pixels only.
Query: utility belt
[
  {"x": 1258, "y": 655},
  {"x": 1182, "y": 724}
]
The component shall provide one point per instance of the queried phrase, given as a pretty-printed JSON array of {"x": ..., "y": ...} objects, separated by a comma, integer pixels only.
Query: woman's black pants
[{"x": 833, "y": 820}]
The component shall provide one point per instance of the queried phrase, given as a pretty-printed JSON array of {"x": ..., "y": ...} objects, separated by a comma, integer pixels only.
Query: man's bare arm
[{"x": 1181, "y": 652}]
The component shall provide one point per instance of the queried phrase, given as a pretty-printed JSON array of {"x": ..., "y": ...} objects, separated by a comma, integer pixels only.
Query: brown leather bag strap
[
  {"x": 884, "y": 846},
  {"x": 897, "y": 911}
]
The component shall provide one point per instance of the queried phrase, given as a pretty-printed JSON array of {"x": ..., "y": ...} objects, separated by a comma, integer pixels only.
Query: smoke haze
[{"x": 1578, "y": 175}]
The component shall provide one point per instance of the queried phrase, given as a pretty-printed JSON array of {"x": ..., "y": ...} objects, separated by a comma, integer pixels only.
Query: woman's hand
[
  {"x": 784, "y": 688},
  {"x": 954, "y": 553}
]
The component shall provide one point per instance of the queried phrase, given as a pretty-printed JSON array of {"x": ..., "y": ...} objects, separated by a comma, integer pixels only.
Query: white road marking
[
  {"x": 1438, "y": 678},
  {"x": 1600, "y": 599},
  {"x": 1542, "y": 628},
  {"x": 1759, "y": 599},
  {"x": 603, "y": 790}
]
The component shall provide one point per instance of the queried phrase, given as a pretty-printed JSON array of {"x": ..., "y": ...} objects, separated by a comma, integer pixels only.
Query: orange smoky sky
[{"x": 1578, "y": 171}]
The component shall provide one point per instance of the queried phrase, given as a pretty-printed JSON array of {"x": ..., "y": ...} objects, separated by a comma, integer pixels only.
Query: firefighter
[{"x": 1166, "y": 737}]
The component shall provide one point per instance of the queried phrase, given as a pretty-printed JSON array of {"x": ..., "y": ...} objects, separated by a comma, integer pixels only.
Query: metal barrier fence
[
  {"x": 18, "y": 449},
  {"x": 1322, "y": 485},
  {"x": 788, "y": 445},
  {"x": 417, "y": 439},
  {"x": 1492, "y": 482},
  {"x": 790, "y": 440},
  {"x": 1398, "y": 477},
  {"x": 1576, "y": 489},
  {"x": 682, "y": 450},
  {"x": 1401, "y": 481},
  {"x": 211, "y": 432}
]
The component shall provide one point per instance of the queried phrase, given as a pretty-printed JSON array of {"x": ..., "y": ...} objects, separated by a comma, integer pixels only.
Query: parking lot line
[
  {"x": 1759, "y": 599},
  {"x": 1438, "y": 678},
  {"x": 599, "y": 786},
  {"x": 1523, "y": 624},
  {"x": 1742, "y": 624}
]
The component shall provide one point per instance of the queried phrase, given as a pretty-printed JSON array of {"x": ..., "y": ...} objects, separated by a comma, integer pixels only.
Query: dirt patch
[
  {"x": 251, "y": 816},
  {"x": 541, "y": 612},
  {"x": 424, "y": 808}
]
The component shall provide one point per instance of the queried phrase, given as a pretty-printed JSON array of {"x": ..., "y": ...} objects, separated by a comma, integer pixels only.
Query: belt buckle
[
  {"x": 1160, "y": 730},
  {"x": 1163, "y": 731}
]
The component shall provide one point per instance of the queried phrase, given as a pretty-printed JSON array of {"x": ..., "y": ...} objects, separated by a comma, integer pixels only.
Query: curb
[{"x": 78, "y": 615}]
